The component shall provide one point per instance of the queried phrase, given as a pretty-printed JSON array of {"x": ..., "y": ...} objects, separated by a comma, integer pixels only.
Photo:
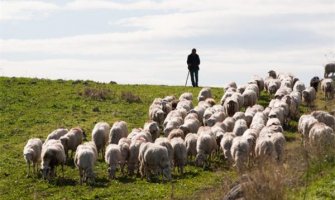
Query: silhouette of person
[{"x": 193, "y": 62}]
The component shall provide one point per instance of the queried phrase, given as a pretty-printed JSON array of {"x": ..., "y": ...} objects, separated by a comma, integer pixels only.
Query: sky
[{"x": 147, "y": 41}]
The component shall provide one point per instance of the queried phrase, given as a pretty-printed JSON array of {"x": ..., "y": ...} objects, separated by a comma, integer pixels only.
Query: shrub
[{"x": 130, "y": 97}]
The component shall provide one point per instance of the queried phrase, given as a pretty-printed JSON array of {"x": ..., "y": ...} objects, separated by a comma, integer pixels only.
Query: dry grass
[
  {"x": 130, "y": 97},
  {"x": 97, "y": 94}
]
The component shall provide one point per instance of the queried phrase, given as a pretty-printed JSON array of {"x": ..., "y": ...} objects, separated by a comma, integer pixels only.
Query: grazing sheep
[
  {"x": 166, "y": 143},
  {"x": 100, "y": 136},
  {"x": 32, "y": 153},
  {"x": 204, "y": 94},
  {"x": 84, "y": 159},
  {"x": 53, "y": 154},
  {"x": 156, "y": 160},
  {"x": 72, "y": 140},
  {"x": 327, "y": 87},
  {"x": 119, "y": 130},
  {"x": 186, "y": 96},
  {"x": 309, "y": 95},
  {"x": 113, "y": 158},
  {"x": 191, "y": 145},
  {"x": 324, "y": 117},
  {"x": 315, "y": 83},
  {"x": 240, "y": 152},
  {"x": 259, "y": 118},
  {"x": 179, "y": 153},
  {"x": 56, "y": 134},
  {"x": 206, "y": 145},
  {"x": 153, "y": 128},
  {"x": 322, "y": 137},
  {"x": 251, "y": 136},
  {"x": 225, "y": 145},
  {"x": 240, "y": 127},
  {"x": 329, "y": 69}
]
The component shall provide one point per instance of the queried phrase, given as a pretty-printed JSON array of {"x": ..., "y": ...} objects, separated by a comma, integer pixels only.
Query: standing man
[{"x": 193, "y": 62}]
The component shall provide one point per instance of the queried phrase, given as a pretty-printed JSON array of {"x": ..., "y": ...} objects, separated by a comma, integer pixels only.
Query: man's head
[{"x": 194, "y": 51}]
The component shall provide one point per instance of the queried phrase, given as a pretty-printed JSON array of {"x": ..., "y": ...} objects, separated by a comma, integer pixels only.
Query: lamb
[
  {"x": 72, "y": 140},
  {"x": 153, "y": 128},
  {"x": 56, "y": 134},
  {"x": 155, "y": 160},
  {"x": 118, "y": 131},
  {"x": 329, "y": 69},
  {"x": 325, "y": 118},
  {"x": 191, "y": 145},
  {"x": 309, "y": 95},
  {"x": 327, "y": 87},
  {"x": 32, "y": 153},
  {"x": 322, "y": 137},
  {"x": 166, "y": 143},
  {"x": 240, "y": 152},
  {"x": 84, "y": 159},
  {"x": 113, "y": 158},
  {"x": 240, "y": 127},
  {"x": 204, "y": 94},
  {"x": 225, "y": 145},
  {"x": 179, "y": 153},
  {"x": 53, "y": 154},
  {"x": 100, "y": 136},
  {"x": 250, "y": 98},
  {"x": 186, "y": 96},
  {"x": 206, "y": 145}
]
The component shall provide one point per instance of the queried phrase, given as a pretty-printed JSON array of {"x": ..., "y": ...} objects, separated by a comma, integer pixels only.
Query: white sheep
[
  {"x": 133, "y": 162},
  {"x": 166, "y": 143},
  {"x": 240, "y": 127},
  {"x": 240, "y": 152},
  {"x": 173, "y": 123},
  {"x": 206, "y": 145},
  {"x": 56, "y": 134},
  {"x": 176, "y": 133},
  {"x": 186, "y": 96},
  {"x": 191, "y": 145},
  {"x": 53, "y": 154},
  {"x": 322, "y": 137},
  {"x": 157, "y": 114},
  {"x": 305, "y": 124},
  {"x": 191, "y": 124},
  {"x": 204, "y": 94},
  {"x": 278, "y": 141},
  {"x": 228, "y": 124},
  {"x": 84, "y": 159},
  {"x": 185, "y": 104},
  {"x": 118, "y": 131},
  {"x": 239, "y": 115},
  {"x": 225, "y": 145},
  {"x": 124, "y": 144},
  {"x": 179, "y": 153},
  {"x": 113, "y": 158},
  {"x": 309, "y": 95},
  {"x": 214, "y": 114},
  {"x": 100, "y": 136},
  {"x": 32, "y": 153},
  {"x": 153, "y": 128},
  {"x": 231, "y": 106},
  {"x": 299, "y": 86},
  {"x": 324, "y": 117},
  {"x": 265, "y": 149},
  {"x": 328, "y": 88},
  {"x": 250, "y": 98},
  {"x": 72, "y": 140}
]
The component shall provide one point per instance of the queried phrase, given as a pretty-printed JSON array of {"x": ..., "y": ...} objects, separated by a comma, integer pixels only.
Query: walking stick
[{"x": 187, "y": 77}]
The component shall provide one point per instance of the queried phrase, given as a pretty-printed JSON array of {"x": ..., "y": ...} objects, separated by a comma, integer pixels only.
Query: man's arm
[
  {"x": 188, "y": 61},
  {"x": 198, "y": 60}
]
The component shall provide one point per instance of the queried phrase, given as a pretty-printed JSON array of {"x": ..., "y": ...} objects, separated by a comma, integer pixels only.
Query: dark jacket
[{"x": 193, "y": 62}]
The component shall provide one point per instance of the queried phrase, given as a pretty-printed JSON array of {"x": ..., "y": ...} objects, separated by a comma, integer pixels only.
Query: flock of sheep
[{"x": 193, "y": 134}]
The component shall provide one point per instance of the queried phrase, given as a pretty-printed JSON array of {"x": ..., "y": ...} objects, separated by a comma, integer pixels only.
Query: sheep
[
  {"x": 265, "y": 149},
  {"x": 251, "y": 136},
  {"x": 329, "y": 69},
  {"x": 253, "y": 87},
  {"x": 53, "y": 154},
  {"x": 56, "y": 134},
  {"x": 32, "y": 153},
  {"x": 204, "y": 94},
  {"x": 299, "y": 86},
  {"x": 258, "y": 81},
  {"x": 309, "y": 95},
  {"x": 250, "y": 98},
  {"x": 240, "y": 127},
  {"x": 241, "y": 88},
  {"x": 327, "y": 87},
  {"x": 206, "y": 145},
  {"x": 322, "y": 137},
  {"x": 297, "y": 97},
  {"x": 315, "y": 83},
  {"x": 185, "y": 104},
  {"x": 240, "y": 152},
  {"x": 179, "y": 153},
  {"x": 191, "y": 145},
  {"x": 231, "y": 106},
  {"x": 113, "y": 158},
  {"x": 239, "y": 115},
  {"x": 124, "y": 144},
  {"x": 157, "y": 114},
  {"x": 172, "y": 115},
  {"x": 259, "y": 118},
  {"x": 278, "y": 141},
  {"x": 156, "y": 160},
  {"x": 273, "y": 85},
  {"x": 186, "y": 96},
  {"x": 272, "y": 74},
  {"x": 325, "y": 118},
  {"x": 229, "y": 124},
  {"x": 174, "y": 123},
  {"x": 214, "y": 114},
  {"x": 100, "y": 136},
  {"x": 226, "y": 95},
  {"x": 191, "y": 124},
  {"x": 278, "y": 112},
  {"x": 166, "y": 143},
  {"x": 266, "y": 112},
  {"x": 72, "y": 140},
  {"x": 251, "y": 111},
  {"x": 118, "y": 131},
  {"x": 293, "y": 106},
  {"x": 84, "y": 159},
  {"x": 225, "y": 145},
  {"x": 282, "y": 91},
  {"x": 133, "y": 162},
  {"x": 176, "y": 133},
  {"x": 230, "y": 85},
  {"x": 153, "y": 128}
]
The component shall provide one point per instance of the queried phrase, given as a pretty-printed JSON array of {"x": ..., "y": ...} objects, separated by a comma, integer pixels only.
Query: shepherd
[{"x": 193, "y": 62}]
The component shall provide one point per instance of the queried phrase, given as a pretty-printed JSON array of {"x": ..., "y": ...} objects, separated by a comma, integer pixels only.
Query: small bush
[
  {"x": 97, "y": 94},
  {"x": 130, "y": 97}
]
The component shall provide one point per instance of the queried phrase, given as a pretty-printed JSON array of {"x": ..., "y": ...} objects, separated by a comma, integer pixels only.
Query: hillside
[{"x": 34, "y": 107}]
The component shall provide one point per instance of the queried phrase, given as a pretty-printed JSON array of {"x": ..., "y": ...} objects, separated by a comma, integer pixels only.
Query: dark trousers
[{"x": 194, "y": 77}]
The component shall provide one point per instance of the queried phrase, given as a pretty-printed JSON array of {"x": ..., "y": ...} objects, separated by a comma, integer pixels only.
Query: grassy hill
[{"x": 34, "y": 107}]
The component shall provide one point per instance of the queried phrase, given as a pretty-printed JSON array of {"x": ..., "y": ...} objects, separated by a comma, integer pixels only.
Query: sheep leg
[
  {"x": 80, "y": 176},
  {"x": 28, "y": 169}
]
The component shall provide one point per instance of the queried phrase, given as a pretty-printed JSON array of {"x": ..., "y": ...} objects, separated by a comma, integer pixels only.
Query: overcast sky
[{"x": 147, "y": 42}]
